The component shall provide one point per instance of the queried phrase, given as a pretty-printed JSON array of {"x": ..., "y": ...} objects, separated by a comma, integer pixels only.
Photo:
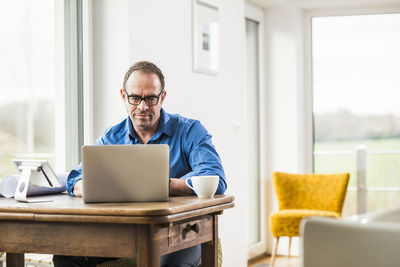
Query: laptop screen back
[{"x": 125, "y": 173}]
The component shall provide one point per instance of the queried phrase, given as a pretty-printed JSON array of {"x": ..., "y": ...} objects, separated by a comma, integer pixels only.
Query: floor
[
  {"x": 282, "y": 261},
  {"x": 263, "y": 261}
]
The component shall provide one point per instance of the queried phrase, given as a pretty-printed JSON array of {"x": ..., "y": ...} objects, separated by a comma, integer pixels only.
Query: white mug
[{"x": 204, "y": 186}]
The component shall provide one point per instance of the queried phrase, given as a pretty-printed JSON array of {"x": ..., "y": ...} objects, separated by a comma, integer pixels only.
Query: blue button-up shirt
[{"x": 191, "y": 152}]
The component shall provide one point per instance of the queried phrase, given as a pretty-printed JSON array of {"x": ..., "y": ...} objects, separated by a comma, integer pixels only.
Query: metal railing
[{"x": 361, "y": 153}]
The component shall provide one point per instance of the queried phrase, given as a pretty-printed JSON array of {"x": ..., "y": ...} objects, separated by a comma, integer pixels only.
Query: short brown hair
[{"x": 147, "y": 67}]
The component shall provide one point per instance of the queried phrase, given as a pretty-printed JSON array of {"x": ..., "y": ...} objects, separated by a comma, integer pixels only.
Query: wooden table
[{"x": 68, "y": 226}]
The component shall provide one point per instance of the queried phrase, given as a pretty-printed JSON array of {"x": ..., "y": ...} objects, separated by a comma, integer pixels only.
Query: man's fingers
[{"x": 78, "y": 189}]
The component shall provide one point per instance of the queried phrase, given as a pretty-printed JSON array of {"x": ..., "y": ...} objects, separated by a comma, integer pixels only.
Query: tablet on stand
[{"x": 37, "y": 173}]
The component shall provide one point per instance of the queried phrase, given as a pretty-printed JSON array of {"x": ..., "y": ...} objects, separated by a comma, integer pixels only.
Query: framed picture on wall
[{"x": 205, "y": 37}]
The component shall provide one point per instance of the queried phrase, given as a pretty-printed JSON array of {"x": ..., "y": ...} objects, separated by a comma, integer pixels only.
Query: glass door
[
  {"x": 255, "y": 170},
  {"x": 356, "y": 81}
]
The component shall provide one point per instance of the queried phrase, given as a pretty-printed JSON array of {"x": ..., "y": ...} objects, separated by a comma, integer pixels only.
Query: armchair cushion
[{"x": 287, "y": 222}]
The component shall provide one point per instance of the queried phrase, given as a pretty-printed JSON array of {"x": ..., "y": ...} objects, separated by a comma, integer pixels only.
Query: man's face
[{"x": 140, "y": 84}]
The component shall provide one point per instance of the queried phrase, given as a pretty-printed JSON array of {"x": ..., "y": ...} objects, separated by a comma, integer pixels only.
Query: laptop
[{"x": 125, "y": 173}]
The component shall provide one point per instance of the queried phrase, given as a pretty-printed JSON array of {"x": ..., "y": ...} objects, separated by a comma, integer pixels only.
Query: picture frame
[{"x": 205, "y": 33}]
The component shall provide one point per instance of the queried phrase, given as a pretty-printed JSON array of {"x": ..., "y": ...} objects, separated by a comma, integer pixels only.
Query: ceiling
[{"x": 315, "y": 4}]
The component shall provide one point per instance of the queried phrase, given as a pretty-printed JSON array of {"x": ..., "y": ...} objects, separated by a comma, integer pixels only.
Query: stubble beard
[{"x": 143, "y": 123}]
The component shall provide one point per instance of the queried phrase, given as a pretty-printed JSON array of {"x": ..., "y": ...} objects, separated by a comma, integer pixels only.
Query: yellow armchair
[{"x": 304, "y": 195}]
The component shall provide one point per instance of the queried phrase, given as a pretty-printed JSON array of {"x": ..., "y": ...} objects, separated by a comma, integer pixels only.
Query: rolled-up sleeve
[
  {"x": 76, "y": 174},
  {"x": 203, "y": 157}
]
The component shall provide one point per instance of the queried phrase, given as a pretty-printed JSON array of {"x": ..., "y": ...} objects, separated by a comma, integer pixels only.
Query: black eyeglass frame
[{"x": 146, "y": 99}]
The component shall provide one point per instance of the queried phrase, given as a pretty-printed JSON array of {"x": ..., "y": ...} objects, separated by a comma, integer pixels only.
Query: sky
[{"x": 356, "y": 64}]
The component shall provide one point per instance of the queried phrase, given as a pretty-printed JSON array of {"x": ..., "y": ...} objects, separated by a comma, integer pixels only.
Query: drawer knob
[{"x": 195, "y": 227}]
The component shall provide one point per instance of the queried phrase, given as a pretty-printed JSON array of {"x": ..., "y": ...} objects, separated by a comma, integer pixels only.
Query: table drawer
[{"x": 195, "y": 231}]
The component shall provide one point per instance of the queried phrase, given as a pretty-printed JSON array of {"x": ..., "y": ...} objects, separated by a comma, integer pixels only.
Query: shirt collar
[
  {"x": 165, "y": 126},
  {"x": 131, "y": 131}
]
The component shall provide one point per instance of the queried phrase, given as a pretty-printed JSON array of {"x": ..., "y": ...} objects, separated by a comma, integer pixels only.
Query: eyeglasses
[{"x": 149, "y": 100}]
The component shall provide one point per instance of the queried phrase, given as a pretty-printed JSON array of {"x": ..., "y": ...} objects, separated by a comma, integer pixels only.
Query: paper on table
[{"x": 8, "y": 185}]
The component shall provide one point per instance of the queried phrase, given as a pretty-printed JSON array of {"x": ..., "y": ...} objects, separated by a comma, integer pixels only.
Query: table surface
[{"x": 146, "y": 212}]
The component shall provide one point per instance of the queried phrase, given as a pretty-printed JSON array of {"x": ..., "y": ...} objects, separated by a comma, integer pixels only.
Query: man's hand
[
  {"x": 78, "y": 189},
  {"x": 179, "y": 187}
]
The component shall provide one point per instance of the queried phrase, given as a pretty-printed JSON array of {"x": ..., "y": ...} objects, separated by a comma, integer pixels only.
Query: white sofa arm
[{"x": 331, "y": 243}]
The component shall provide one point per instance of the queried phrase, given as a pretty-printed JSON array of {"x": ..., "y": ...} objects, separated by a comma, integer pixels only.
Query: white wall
[
  {"x": 160, "y": 31},
  {"x": 284, "y": 57},
  {"x": 285, "y": 80},
  {"x": 111, "y": 50}
]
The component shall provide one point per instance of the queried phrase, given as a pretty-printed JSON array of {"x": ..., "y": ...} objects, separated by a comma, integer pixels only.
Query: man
[{"x": 191, "y": 150}]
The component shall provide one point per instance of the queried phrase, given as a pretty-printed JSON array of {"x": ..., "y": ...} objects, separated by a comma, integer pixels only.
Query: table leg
[
  {"x": 209, "y": 250},
  {"x": 148, "y": 250},
  {"x": 15, "y": 259}
]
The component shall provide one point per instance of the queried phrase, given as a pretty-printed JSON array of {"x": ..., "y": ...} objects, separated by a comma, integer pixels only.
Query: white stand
[{"x": 23, "y": 184}]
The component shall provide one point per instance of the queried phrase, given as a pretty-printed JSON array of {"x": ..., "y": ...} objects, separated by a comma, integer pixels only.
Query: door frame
[{"x": 256, "y": 14}]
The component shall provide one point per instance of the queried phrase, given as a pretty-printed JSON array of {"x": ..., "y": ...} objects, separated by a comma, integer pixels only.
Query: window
[
  {"x": 33, "y": 73},
  {"x": 356, "y": 81},
  {"x": 27, "y": 82}
]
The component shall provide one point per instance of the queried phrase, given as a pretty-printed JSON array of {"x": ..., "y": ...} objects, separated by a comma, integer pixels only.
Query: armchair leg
[
  {"x": 290, "y": 242},
  {"x": 274, "y": 251}
]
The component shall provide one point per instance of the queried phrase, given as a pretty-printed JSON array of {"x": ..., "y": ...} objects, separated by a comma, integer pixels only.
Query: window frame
[{"x": 70, "y": 77}]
